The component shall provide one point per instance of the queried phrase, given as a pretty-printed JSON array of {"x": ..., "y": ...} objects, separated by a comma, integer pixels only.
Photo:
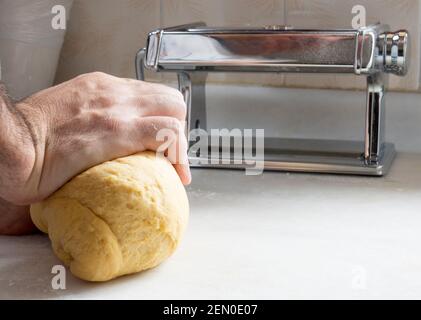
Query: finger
[
  {"x": 162, "y": 105},
  {"x": 184, "y": 173},
  {"x": 153, "y": 132},
  {"x": 143, "y": 87},
  {"x": 165, "y": 135},
  {"x": 177, "y": 155},
  {"x": 182, "y": 166}
]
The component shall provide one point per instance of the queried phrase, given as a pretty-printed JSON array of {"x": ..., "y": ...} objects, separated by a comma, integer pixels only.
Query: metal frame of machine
[{"x": 192, "y": 51}]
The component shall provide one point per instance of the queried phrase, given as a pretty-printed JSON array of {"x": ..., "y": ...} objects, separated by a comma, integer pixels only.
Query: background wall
[
  {"x": 104, "y": 35},
  {"x": 29, "y": 46}
]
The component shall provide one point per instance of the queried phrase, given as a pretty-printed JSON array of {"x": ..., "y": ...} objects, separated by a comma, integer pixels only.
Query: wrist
[
  {"x": 19, "y": 141},
  {"x": 33, "y": 130},
  {"x": 15, "y": 220}
]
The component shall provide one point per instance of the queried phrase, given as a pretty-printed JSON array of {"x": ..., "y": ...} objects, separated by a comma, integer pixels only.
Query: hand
[{"x": 89, "y": 120}]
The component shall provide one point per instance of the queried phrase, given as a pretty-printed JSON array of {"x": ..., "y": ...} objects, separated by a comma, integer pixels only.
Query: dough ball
[{"x": 117, "y": 218}]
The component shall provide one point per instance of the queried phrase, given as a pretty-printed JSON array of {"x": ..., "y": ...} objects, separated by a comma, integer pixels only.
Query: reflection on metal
[{"x": 194, "y": 50}]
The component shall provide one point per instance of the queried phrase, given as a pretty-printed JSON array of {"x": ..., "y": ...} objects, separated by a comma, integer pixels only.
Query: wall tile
[
  {"x": 223, "y": 12},
  {"x": 104, "y": 35}
]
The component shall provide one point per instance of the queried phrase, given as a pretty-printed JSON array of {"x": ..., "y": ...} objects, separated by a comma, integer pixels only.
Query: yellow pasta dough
[{"x": 117, "y": 218}]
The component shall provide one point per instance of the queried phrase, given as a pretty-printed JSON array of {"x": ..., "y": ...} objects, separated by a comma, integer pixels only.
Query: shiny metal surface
[
  {"x": 375, "y": 117},
  {"x": 396, "y": 59},
  {"x": 194, "y": 50},
  {"x": 300, "y": 155},
  {"x": 277, "y": 49},
  {"x": 140, "y": 66},
  {"x": 192, "y": 86}
]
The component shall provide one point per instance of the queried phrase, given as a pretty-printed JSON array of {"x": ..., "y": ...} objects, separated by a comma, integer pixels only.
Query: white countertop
[{"x": 273, "y": 236}]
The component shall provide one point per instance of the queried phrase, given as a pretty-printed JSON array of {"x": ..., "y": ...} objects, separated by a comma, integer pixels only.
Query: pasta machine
[{"x": 192, "y": 51}]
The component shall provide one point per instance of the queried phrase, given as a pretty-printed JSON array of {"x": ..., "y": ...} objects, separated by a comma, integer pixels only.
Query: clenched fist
[{"x": 57, "y": 133}]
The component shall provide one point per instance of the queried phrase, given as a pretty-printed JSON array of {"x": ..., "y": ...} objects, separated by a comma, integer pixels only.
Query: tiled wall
[{"x": 105, "y": 34}]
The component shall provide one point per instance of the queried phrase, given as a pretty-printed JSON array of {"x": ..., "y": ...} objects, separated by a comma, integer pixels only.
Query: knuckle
[
  {"x": 180, "y": 104},
  {"x": 176, "y": 106},
  {"x": 173, "y": 124},
  {"x": 147, "y": 127},
  {"x": 99, "y": 75},
  {"x": 178, "y": 94},
  {"x": 183, "y": 108},
  {"x": 93, "y": 81},
  {"x": 161, "y": 100},
  {"x": 140, "y": 101},
  {"x": 173, "y": 91}
]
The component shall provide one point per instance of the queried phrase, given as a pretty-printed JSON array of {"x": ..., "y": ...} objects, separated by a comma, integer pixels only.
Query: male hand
[{"x": 86, "y": 121}]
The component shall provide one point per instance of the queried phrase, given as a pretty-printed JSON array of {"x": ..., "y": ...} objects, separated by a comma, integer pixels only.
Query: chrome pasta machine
[{"x": 192, "y": 51}]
